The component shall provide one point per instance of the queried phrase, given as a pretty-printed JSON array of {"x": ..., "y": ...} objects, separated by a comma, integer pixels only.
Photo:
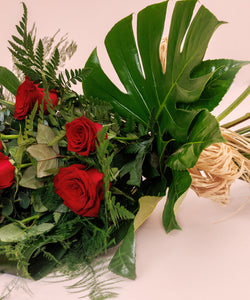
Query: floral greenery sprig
[
  {"x": 85, "y": 171},
  {"x": 31, "y": 60}
]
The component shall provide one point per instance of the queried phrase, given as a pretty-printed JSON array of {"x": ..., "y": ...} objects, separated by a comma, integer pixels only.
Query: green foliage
[
  {"x": 134, "y": 167},
  {"x": 147, "y": 206},
  {"x": 9, "y": 80},
  {"x": 178, "y": 99},
  {"x": 152, "y": 134},
  {"x": 29, "y": 179},
  {"x": 49, "y": 198},
  {"x": 88, "y": 279},
  {"x": 181, "y": 182},
  {"x": 14, "y": 233},
  {"x": 72, "y": 76},
  {"x": 123, "y": 262},
  {"x": 33, "y": 59}
]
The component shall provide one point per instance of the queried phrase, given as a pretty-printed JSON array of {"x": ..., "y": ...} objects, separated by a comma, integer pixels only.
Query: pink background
[{"x": 205, "y": 260}]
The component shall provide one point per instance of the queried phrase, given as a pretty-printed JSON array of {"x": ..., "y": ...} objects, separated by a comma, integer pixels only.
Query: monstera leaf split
[{"x": 181, "y": 97}]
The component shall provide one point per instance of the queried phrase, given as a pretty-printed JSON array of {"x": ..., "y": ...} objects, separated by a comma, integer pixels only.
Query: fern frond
[{"x": 39, "y": 55}]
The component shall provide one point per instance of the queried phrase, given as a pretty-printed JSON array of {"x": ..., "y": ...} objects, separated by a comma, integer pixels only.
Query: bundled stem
[{"x": 219, "y": 165}]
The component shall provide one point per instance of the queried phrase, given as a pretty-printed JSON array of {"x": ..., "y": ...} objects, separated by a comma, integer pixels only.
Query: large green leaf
[
  {"x": 205, "y": 132},
  {"x": 218, "y": 84},
  {"x": 180, "y": 184},
  {"x": 9, "y": 80},
  {"x": 187, "y": 80},
  {"x": 123, "y": 262},
  {"x": 181, "y": 97}
]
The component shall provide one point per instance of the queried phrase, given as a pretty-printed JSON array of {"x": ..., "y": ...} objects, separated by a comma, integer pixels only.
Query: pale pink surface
[{"x": 204, "y": 261}]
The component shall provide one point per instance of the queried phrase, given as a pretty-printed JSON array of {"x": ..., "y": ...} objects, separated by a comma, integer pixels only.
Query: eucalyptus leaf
[
  {"x": 29, "y": 180},
  {"x": 37, "y": 202},
  {"x": 46, "y": 158},
  {"x": 123, "y": 262},
  {"x": 7, "y": 206},
  {"x": 45, "y": 135},
  {"x": 9, "y": 80},
  {"x": 24, "y": 200},
  {"x": 13, "y": 233}
]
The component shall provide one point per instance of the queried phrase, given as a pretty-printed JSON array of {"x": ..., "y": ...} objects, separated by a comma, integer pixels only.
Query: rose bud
[
  {"x": 1, "y": 146},
  {"x": 82, "y": 191},
  {"x": 81, "y": 134},
  {"x": 27, "y": 95}
]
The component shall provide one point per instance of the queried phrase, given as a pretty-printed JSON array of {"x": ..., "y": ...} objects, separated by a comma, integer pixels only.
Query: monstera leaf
[{"x": 181, "y": 97}]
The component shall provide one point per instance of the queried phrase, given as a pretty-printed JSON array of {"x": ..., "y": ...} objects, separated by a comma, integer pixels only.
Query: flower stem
[
  {"x": 25, "y": 165},
  {"x": 237, "y": 121},
  {"x": 231, "y": 107},
  {"x": 243, "y": 130},
  {"x": 4, "y": 102},
  {"x": 8, "y": 137},
  {"x": 121, "y": 138},
  {"x": 35, "y": 217}
]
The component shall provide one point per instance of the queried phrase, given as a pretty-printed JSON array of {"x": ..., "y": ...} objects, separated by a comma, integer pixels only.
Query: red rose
[
  {"x": 7, "y": 172},
  {"x": 82, "y": 191},
  {"x": 1, "y": 146},
  {"x": 27, "y": 95},
  {"x": 81, "y": 134}
]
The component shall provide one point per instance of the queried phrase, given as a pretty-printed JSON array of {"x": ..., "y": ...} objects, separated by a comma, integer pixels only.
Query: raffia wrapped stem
[{"x": 220, "y": 164}]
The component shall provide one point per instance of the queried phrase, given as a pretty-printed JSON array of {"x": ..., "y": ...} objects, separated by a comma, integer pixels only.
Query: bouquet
[{"x": 79, "y": 173}]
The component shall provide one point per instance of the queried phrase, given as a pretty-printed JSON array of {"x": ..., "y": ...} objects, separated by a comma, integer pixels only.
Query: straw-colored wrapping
[{"x": 218, "y": 167}]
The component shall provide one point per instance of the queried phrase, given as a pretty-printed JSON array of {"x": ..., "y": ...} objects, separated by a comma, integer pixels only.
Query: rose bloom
[
  {"x": 1, "y": 146},
  {"x": 82, "y": 191},
  {"x": 27, "y": 95},
  {"x": 81, "y": 134},
  {"x": 7, "y": 172}
]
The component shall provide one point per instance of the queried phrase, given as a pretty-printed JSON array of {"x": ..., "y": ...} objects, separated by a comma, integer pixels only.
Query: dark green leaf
[
  {"x": 180, "y": 184},
  {"x": 204, "y": 133},
  {"x": 24, "y": 200},
  {"x": 146, "y": 85},
  {"x": 9, "y": 80},
  {"x": 224, "y": 71},
  {"x": 49, "y": 198},
  {"x": 123, "y": 262},
  {"x": 134, "y": 167},
  {"x": 7, "y": 207},
  {"x": 37, "y": 202}
]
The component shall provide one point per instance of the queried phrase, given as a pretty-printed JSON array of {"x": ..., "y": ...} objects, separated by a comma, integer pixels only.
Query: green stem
[
  {"x": 231, "y": 107},
  {"x": 35, "y": 217},
  {"x": 121, "y": 138},
  {"x": 15, "y": 221},
  {"x": 237, "y": 121},
  {"x": 7, "y": 102},
  {"x": 25, "y": 165},
  {"x": 8, "y": 137},
  {"x": 243, "y": 130}
]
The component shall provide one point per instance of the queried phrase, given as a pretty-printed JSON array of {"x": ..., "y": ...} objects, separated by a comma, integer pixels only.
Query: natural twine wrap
[{"x": 219, "y": 164}]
